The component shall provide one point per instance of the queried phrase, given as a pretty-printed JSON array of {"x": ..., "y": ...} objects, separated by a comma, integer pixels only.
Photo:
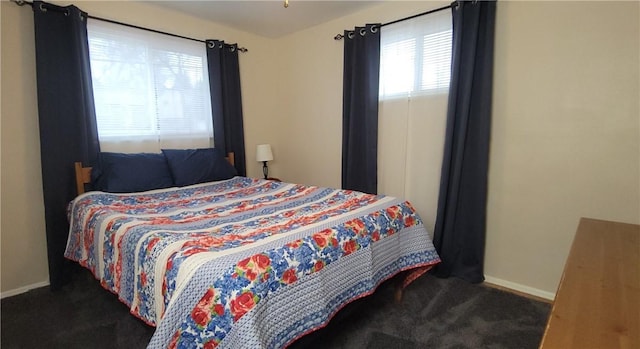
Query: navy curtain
[
  {"x": 360, "y": 109},
  {"x": 68, "y": 130},
  {"x": 459, "y": 235},
  {"x": 226, "y": 100}
]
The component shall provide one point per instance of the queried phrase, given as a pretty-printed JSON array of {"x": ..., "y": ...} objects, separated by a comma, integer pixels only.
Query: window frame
[
  {"x": 153, "y": 47},
  {"x": 419, "y": 33}
]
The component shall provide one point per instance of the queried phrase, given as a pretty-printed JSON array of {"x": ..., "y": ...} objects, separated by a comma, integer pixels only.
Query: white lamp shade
[{"x": 263, "y": 152}]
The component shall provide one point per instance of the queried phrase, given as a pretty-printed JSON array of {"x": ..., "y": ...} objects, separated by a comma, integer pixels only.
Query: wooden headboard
[{"x": 83, "y": 174}]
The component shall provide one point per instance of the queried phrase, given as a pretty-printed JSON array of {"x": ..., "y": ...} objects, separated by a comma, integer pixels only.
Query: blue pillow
[
  {"x": 130, "y": 173},
  {"x": 192, "y": 166}
]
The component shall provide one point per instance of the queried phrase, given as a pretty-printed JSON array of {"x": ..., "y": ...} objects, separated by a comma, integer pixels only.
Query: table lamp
[{"x": 264, "y": 154}]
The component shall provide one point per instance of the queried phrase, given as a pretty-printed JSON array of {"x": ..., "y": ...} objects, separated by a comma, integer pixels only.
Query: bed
[{"x": 243, "y": 262}]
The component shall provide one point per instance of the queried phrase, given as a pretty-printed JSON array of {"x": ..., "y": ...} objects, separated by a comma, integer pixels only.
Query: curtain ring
[
  {"x": 210, "y": 44},
  {"x": 42, "y": 8},
  {"x": 350, "y": 35},
  {"x": 221, "y": 45},
  {"x": 232, "y": 48},
  {"x": 457, "y": 5},
  {"x": 374, "y": 29},
  {"x": 363, "y": 31}
]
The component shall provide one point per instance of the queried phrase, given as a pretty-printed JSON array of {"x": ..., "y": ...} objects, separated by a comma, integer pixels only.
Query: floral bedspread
[{"x": 243, "y": 262}]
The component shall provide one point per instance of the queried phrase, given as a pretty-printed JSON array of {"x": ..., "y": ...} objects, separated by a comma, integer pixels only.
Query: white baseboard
[
  {"x": 23, "y": 289},
  {"x": 520, "y": 288}
]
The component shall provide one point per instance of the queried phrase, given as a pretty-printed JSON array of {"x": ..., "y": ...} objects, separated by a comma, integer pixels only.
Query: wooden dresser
[{"x": 598, "y": 301}]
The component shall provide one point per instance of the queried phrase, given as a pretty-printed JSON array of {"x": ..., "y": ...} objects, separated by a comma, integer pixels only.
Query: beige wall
[
  {"x": 566, "y": 123},
  {"x": 23, "y": 256},
  {"x": 23, "y": 241},
  {"x": 566, "y": 131}
]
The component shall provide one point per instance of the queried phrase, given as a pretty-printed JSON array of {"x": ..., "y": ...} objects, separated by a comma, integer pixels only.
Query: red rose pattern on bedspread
[
  {"x": 255, "y": 277},
  {"x": 233, "y": 237}
]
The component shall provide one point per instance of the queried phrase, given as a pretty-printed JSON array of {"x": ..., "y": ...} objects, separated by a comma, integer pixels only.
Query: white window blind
[
  {"x": 150, "y": 90},
  {"x": 415, "y": 56}
]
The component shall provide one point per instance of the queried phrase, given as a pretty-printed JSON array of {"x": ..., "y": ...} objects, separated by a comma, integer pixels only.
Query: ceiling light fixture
[{"x": 286, "y": 3}]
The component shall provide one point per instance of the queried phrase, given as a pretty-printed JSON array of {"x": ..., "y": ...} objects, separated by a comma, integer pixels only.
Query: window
[
  {"x": 415, "y": 56},
  {"x": 149, "y": 87},
  {"x": 415, "y": 65}
]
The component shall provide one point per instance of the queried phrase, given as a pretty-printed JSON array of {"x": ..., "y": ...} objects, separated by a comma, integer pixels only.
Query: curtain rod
[
  {"x": 24, "y": 2},
  {"x": 340, "y": 36}
]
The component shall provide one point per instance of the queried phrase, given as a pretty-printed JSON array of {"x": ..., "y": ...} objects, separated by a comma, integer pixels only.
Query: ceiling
[{"x": 267, "y": 18}]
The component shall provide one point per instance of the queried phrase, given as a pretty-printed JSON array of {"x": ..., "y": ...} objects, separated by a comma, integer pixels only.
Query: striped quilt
[{"x": 243, "y": 263}]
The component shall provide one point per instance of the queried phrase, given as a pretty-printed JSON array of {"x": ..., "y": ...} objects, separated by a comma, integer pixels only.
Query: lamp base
[{"x": 265, "y": 170}]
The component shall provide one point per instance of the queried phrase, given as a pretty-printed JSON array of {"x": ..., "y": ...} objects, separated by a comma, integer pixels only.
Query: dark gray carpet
[{"x": 434, "y": 313}]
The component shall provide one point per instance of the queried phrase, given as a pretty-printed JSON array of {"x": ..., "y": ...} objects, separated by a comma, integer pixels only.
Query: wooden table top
[{"x": 598, "y": 301}]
